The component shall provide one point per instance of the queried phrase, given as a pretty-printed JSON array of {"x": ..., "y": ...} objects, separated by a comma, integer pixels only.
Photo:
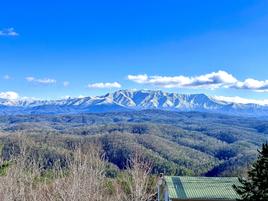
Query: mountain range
[{"x": 127, "y": 100}]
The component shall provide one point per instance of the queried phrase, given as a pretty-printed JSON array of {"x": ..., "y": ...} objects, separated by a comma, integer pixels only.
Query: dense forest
[{"x": 176, "y": 143}]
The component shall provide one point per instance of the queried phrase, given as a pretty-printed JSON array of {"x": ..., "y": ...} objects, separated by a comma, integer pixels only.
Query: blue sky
[{"x": 62, "y": 48}]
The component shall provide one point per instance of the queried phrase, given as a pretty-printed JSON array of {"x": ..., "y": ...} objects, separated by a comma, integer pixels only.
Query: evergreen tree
[{"x": 255, "y": 187}]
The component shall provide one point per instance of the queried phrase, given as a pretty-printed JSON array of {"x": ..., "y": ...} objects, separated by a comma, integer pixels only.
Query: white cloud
[
  {"x": 66, "y": 83},
  {"x": 30, "y": 79},
  {"x": 14, "y": 96},
  {"x": 8, "y": 32},
  {"x": 7, "y": 77},
  {"x": 44, "y": 81},
  {"x": 237, "y": 99},
  {"x": 11, "y": 95},
  {"x": 257, "y": 85},
  {"x": 211, "y": 80},
  {"x": 101, "y": 85},
  {"x": 141, "y": 79}
]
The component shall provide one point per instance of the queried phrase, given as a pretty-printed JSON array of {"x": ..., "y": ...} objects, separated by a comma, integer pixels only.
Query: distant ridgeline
[{"x": 128, "y": 100}]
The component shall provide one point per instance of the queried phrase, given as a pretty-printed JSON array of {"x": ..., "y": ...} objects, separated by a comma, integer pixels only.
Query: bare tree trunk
[{"x": 138, "y": 179}]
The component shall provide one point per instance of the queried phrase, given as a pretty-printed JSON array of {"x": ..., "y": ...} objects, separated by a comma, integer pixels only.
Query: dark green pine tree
[{"x": 255, "y": 187}]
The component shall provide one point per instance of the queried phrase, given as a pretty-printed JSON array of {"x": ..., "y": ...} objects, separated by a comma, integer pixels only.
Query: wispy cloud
[
  {"x": 237, "y": 99},
  {"x": 6, "y": 77},
  {"x": 66, "y": 83},
  {"x": 210, "y": 81},
  {"x": 11, "y": 95},
  {"x": 45, "y": 81},
  {"x": 101, "y": 85},
  {"x": 8, "y": 32}
]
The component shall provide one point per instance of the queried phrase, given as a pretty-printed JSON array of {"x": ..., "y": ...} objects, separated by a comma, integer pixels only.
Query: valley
[{"x": 177, "y": 143}]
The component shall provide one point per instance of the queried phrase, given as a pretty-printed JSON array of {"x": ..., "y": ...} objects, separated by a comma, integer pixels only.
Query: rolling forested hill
[{"x": 181, "y": 143}]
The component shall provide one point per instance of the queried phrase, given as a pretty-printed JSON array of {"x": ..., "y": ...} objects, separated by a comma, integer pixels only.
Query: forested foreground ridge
[{"x": 177, "y": 143}]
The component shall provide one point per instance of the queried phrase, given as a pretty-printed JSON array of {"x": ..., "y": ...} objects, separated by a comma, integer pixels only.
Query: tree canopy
[{"x": 255, "y": 187}]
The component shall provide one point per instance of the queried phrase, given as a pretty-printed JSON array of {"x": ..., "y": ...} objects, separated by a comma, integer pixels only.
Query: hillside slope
[{"x": 182, "y": 143}]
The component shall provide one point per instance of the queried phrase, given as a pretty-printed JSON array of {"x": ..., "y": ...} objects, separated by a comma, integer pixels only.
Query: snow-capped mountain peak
[{"x": 130, "y": 100}]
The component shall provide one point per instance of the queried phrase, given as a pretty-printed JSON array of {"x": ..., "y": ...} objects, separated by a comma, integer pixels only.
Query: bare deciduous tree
[
  {"x": 82, "y": 178},
  {"x": 137, "y": 182},
  {"x": 85, "y": 179}
]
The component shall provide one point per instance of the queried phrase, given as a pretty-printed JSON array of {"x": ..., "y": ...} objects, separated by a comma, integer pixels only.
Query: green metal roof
[{"x": 202, "y": 187}]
